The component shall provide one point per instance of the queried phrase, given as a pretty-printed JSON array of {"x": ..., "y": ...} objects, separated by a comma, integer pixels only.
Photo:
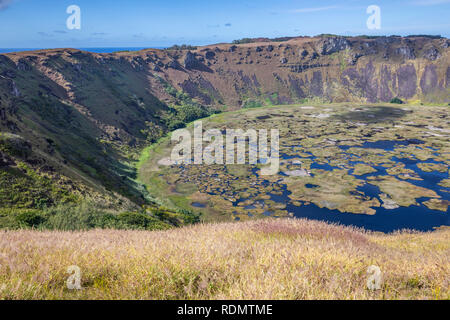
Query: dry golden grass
[{"x": 264, "y": 259}]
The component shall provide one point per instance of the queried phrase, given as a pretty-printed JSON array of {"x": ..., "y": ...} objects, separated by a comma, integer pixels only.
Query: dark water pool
[
  {"x": 417, "y": 217},
  {"x": 388, "y": 145},
  {"x": 198, "y": 205},
  {"x": 414, "y": 218}
]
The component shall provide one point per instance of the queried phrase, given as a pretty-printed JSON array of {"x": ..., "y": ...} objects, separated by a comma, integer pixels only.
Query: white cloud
[
  {"x": 430, "y": 2},
  {"x": 306, "y": 10}
]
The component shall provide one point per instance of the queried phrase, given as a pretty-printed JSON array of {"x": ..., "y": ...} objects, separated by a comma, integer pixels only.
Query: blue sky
[{"x": 147, "y": 23}]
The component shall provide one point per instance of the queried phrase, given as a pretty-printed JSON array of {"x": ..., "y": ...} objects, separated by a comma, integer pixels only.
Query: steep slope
[
  {"x": 333, "y": 69},
  {"x": 79, "y": 119}
]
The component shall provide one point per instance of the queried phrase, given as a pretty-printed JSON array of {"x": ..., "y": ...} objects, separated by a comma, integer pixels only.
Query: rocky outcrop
[
  {"x": 407, "y": 81},
  {"x": 406, "y": 52},
  {"x": 333, "y": 44},
  {"x": 190, "y": 62},
  {"x": 431, "y": 54},
  {"x": 210, "y": 55},
  {"x": 14, "y": 90},
  {"x": 429, "y": 80}
]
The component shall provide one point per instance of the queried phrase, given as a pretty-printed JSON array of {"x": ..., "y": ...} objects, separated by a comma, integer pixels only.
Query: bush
[
  {"x": 30, "y": 218},
  {"x": 243, "y": 41},
  {"x": 182, "y": 47},
  {"x": 177, "y": 219},
  {"x": 88, "y": 215},
  {"x": 76, "y": 217},
  {"x": 250, "y": 103},
  {"x": 182, "y": 115},
  {"x": 397, "y": 101},
  {"x": 14, "y": 145}
]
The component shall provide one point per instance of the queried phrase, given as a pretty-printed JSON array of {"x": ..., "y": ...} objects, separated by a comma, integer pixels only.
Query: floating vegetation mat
[{"x": 379, "y": 167}]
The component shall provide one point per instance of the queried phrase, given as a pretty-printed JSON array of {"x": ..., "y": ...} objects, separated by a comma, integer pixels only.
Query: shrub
[
  {"x": 397, "y": 101},
  {"x": 182, "y": 47},
  {"x": 87, "y": 215},
  {"x": 74, "y": 217},
  {"x": 14, "y": 145},
  {"x": 250, "y": 103},
  {"x": 243, "y": 41},
  {"x": 30, "y": 218},
  {"x": 177, "y": 219}
]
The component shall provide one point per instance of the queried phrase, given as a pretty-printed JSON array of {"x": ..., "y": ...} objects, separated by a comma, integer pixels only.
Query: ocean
[{"x": 98, "y": 50}]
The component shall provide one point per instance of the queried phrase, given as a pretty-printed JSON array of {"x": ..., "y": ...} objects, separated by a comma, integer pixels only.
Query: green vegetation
[
  {"x": 24, "y": 187},
  {"x": 253, "y": 40},
  {"x": 424, "y": 36},
  {"x": 327, "y": 35},
  {"x": 14, "y": 145},
  {"x": 243, "y": 41},
  {"x": 88, "y": 215},
  {"x": 181, "y": 115},
  {"x": 185, "y": 110},
  {"x": 182, "y": 47},
  {"x": 397, "y": 101},
  {"x": 251, "y": 103}
]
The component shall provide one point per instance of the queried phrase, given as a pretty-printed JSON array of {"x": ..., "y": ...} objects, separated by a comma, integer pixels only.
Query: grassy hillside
[
  {"x": 265, "y": 259},
  {"x": 71, "y": 127}
]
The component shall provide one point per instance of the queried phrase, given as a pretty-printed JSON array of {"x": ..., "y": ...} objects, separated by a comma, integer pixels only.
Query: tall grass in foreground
[{"x": 265, "y": 259}]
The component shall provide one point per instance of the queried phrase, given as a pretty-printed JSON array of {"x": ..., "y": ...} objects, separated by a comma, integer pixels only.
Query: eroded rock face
[
  {"x": 334, "y": 44},
  {"x": 174, "y": 65},
  {"x": 14, "y": 90},
  {"x": 297, "y": 86},
  {"x": 369, "y": 83},
  {"x": 432, "y": 54},
  {"x": 407, "y": 81},
  {"x": 316, "y": 84},
  {"x": 386, "y": 78},
  {"x": 447, "y": 81},
  {"x": 365, "y": 82},
  {"x": 190, "y": 62},
  {"x": 429, "y": 80},
  {"x": 406, "y": 52}
]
